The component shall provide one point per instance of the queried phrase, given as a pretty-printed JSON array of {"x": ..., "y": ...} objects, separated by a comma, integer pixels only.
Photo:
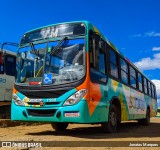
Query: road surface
[{"x": 89, "y": 136}]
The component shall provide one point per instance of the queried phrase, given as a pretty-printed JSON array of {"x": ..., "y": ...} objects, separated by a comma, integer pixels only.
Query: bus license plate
[{"x": 35, "y": 100}]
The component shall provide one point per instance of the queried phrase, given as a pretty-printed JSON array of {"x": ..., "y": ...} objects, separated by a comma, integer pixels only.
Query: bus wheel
[
  {"x": 145, "y": 121},
  {"x": 111, "y": 125},
  {"x": 59, "y": 126}
]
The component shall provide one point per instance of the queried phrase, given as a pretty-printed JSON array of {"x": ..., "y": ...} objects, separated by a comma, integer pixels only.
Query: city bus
[
  {"x": 158, "y": 112},
  {"x": 71, "y": 73},
  {"x": 7, "y": 79}
]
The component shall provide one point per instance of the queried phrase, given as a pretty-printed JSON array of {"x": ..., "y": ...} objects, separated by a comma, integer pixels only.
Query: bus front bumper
[{"x": 72, "y": 114}]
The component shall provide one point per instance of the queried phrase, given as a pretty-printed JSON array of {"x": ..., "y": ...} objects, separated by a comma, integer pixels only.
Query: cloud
[
  {"x": 147, "y": 34},
  {"x": 149, "y": 63},
  {"x": 136, "y": 35},
  {"x": 152, "y": 34},
  {"x": 156, "y": 49},
  {"x": 157, "y": 83}
]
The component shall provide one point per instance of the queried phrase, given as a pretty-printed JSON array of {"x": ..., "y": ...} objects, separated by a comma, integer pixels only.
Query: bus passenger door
[
  {"x": 97, "y": 60},
  {"x": 1, "y": 64},
  {"x": 10, "y": 72},
  {"x": 2, "y": 80}
]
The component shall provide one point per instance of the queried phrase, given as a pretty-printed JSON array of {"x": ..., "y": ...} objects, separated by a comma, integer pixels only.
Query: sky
[{"x": 133, "y": 26}]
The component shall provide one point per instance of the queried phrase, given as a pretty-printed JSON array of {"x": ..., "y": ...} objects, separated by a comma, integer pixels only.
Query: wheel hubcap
[{"x": 113, "y": 118}]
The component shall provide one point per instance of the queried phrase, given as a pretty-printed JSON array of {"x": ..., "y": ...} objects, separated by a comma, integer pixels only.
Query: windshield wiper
[
  {"x": 58, "y": 47},
  {"x": 36, "y": 58},
  {"x": 33, "y": 49}
]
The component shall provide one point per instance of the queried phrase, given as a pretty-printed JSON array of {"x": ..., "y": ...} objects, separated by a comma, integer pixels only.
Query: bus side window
[
  {"x": 145, "y": 85},
  {"x": 152, "y": 89},
  {"x": 124, "y": 71},
  {"x": 113, "y": 64},
  {"x": 102, "y": 57},
  {"x": 140, "y": 82},
  {"x": 1, "y": 64},
  {"x": 96, "y": 40},
  {"x": 133, "y": 79},
  {"x": 97, "y": 59},
  {"x": 149, "y": 88},
  {"x": 10, "y": 65}
]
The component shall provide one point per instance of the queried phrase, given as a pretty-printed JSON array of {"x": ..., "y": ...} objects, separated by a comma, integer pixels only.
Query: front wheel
[
  {"x": 59, "y": 126},
  {"x": 111, "y": 125}
]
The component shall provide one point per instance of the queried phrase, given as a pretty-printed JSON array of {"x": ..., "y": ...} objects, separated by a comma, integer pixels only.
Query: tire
[
  {"x": 111, "y": 125},
  {"x": 145, "y": 121},
  {"x": 59, "y": 126}
]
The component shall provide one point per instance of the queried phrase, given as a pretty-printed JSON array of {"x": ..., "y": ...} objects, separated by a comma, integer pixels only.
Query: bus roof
[{"x": 86, "y": 22}]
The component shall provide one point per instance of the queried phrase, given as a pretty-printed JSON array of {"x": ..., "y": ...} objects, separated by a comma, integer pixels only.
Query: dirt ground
[{"x": 80, "y": 136}]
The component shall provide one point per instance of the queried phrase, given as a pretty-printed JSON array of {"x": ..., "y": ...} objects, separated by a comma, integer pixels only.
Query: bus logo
[{"x": 41, "y": 103}]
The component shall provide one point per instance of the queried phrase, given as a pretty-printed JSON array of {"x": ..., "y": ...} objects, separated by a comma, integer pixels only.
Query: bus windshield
[{"x": 51, "y": 63}]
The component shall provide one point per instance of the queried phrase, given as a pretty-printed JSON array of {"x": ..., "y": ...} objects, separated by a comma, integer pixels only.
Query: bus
[
  {"x": 7, "y": 79},
  {"x": 71, "y": 73},
  {"x": 158, "y": 112}
]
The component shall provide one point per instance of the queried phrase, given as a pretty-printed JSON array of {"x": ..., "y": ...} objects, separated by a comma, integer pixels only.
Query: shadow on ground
[{"x": 127, "y": 130}]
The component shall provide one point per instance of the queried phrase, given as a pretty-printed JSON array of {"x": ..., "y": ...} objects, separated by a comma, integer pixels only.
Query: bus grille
[{"x": 41, "y": 112}]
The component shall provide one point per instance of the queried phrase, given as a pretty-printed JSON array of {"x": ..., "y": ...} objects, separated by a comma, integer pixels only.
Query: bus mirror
[{"x": 9, "y": 43}]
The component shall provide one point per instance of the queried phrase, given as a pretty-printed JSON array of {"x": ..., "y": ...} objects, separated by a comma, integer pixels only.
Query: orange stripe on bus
[
  {"x": 93, "y": 90},
  {"x": 15, "y": 91}
]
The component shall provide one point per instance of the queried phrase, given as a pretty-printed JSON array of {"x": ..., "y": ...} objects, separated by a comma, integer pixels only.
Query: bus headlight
[
  {"x": 76, "y": 97},
  {"x": 17, "y": 100}
]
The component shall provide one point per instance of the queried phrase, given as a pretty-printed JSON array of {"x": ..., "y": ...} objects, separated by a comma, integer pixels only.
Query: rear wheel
[
  {"x": 111, "y": 125},
  {"x": 59, "y": 126},
  {"x": 145, "y": 121}
]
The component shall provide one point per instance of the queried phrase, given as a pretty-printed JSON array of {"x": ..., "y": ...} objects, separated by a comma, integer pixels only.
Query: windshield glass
[
  {"x": 30, "y": 63},
  {"x": 52, "y": 63}
]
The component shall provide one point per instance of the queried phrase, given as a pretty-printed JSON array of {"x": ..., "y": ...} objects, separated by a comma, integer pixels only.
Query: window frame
[
  {"x": 124, "y": 71},
  {"x": 149, "y": 88},
  {"x": 134, "y": 77},
  {"x": 111, "y": 63},
  {"x": 6, "y": 68},
  {"x": 145, "y": 86},
  {"x": 140, "y": 82}
]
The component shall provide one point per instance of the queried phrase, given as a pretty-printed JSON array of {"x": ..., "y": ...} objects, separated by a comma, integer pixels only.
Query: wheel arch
[{"x": 116, "y": 102}]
